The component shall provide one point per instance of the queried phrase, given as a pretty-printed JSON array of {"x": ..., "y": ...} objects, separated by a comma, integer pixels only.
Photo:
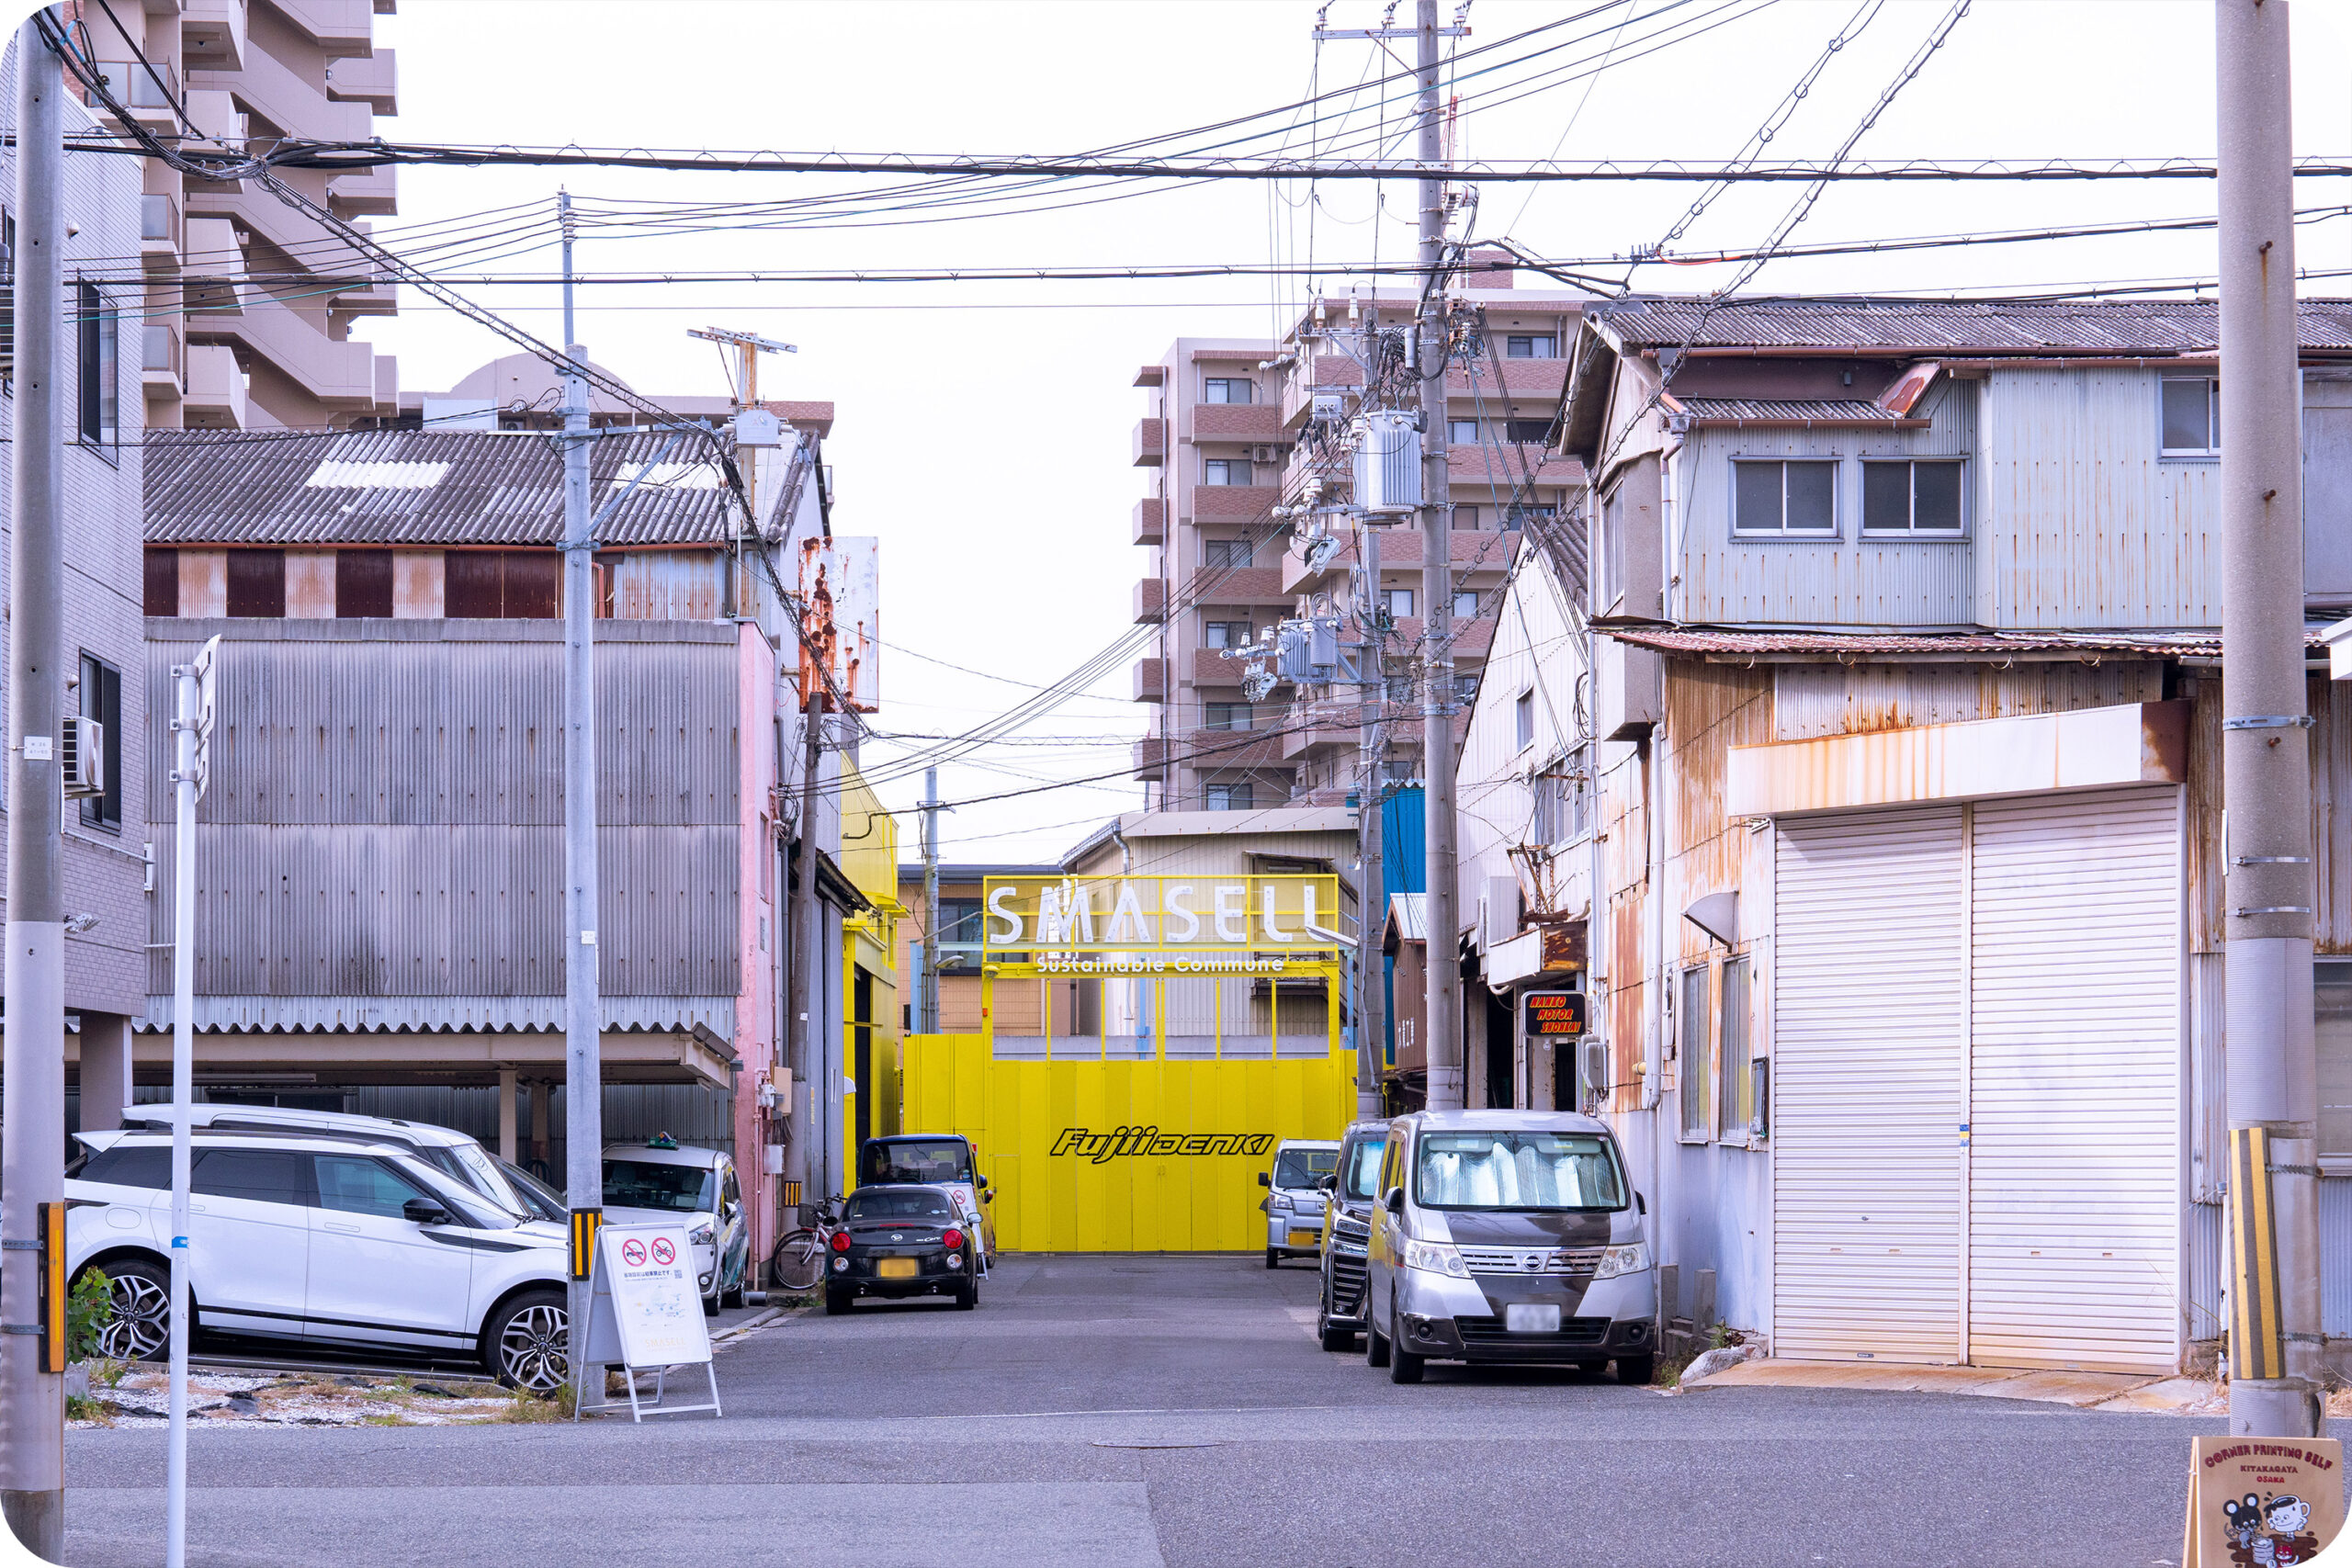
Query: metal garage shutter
[
  {"x": 1866, "y": 1084},
  {"x": 2075, "y": 1170}
]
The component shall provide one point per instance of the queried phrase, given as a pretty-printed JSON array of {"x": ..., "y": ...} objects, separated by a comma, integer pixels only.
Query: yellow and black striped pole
[
  {"x": 585, "y": 1224},
  {"x": 2257, "y": 1345}
]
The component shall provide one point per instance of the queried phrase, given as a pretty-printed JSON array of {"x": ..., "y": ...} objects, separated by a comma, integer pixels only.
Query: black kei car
[{"x": 899, "y": 1241}]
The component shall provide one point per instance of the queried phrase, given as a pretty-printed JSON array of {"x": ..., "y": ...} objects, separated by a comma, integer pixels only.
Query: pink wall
[{"x": 759, "y": 929}]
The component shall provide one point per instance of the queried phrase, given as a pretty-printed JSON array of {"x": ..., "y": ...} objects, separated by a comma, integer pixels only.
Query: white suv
[{"x": 323, "y": 1239}]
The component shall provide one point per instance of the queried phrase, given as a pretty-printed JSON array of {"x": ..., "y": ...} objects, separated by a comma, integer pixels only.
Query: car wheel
[
  {"x": 1375, "y": 1347},
  {"x": 527, "y": 1343},
  {"x": 142, "y": 1326},
  {"x": 967, "y": 1296},
  {"x": 1636, "y": 1369},
  {"x": 1273, "y": 1259},
  {"x": 710, "y": 1304},
  {"x": 1403, "y": 1365},
  {"x": 837, "y": 1300},
  {"x": 734, "y": 1298}
]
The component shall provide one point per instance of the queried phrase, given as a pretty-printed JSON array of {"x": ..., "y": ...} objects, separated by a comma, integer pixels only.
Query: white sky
[{"x": 982, "y": 429}]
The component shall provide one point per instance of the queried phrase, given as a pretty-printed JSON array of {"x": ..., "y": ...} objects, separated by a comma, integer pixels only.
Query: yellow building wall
[{"x": 1014, "y": 1112}]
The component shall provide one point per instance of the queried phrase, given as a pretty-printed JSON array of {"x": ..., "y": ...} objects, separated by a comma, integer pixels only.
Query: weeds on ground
[
  {"x": 383, "y": 1420},
  {"x": 78, "y": 1408},
  {"x": 107, "y": 1372},
  {"x": 89, "y": 1308},
  {"x": 528, "y": 1407},
  {"x": 1671, "y": 1368}
]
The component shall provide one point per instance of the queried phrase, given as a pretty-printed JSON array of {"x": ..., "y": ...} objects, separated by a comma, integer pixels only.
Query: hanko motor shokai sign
[{"x": 1555, "y": 1015}]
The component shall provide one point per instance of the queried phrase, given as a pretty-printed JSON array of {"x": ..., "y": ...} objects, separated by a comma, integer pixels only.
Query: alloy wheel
[
  {"x": 141, "y": 1325},
  {"x": 534, "y": 1350}
]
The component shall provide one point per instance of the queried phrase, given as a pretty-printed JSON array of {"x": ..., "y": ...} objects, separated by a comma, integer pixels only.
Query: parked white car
[
  {"x": 323, "y": 1239},
  {"x": 661, "y": 1183}
]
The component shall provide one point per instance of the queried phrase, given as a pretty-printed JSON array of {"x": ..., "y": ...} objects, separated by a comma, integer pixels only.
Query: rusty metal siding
[
  {"x": 1849, "y": 580},
  {"x": 2083, "y": 525},
  {"x": 2331, "y": 705},
  {"x": 1709, "y": 708},
  {"x": 1811, "y": 700}
]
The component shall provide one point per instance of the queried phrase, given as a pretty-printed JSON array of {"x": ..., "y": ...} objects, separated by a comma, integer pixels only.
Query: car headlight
[
  {"x": 1437, "y": 1257},
  {"x": 1616, "y": 1260},
  {"x": 703, "y": 1235}
]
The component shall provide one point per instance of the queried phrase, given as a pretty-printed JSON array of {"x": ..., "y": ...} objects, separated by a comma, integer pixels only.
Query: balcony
[
  {"x": 214, "y": 113},
  {"x": 216, "y": 389},
  {"x": 1151, "y": 758},
  {"x": 162, "y": 371},
  {"x": 338, "y": 375},
  {"x": 1318, "y": 728},
  {"x": 1151, "y": 443},
  {"x": 1151, "y": 681},
  {"x": 212, "y": 34},
  {"x": 370, "y": 193},
  {"x": 303, "y": 242},
  {"x": 338, "y": 27},
  {"x": 372, "y": 79},
  {"x": 1151, "y": 602},
  {"x": 1212, "y": 668},
  {"x": 1148, "y": 529},
  {"x": 1223, "y": 748},
  {"x": 1330, "y": 373},
  {"x": 161, "y": 234},
  {"x": 1525, "y": 380},
  {"x": 1236, "y": 422},
  {"x": 139, "y": 89},
  {"x": 1503, "y": 467},
  {"x": 1234, "y": 503},
  {"x": 1239, "y": 585}
]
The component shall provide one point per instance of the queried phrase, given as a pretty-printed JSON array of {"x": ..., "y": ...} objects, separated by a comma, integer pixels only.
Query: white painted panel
[
  {"x": 1866, "y": 1086},
  {"x": 2074, "y": 1087}
]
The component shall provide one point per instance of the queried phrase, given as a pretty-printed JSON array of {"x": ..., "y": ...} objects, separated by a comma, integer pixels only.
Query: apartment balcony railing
[
  {"x": 1151, "y": 443},
  {"x": 1239, "y": 585},
  {"x": 1148, "y": 526},
  {"x": 1151, "y": 681},
  {"x": 162, "y": 364},
  {"x": 1236, "y": 422},
  {"x": 149, "y": 92},
  {"x": 212, "y": 34},
  {"x": 161, "y": 232},
  {"x": 370, "y": 79},
  {"x": 1234, "y": 503}
]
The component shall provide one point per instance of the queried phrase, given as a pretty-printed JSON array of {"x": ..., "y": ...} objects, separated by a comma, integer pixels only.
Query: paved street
[{"x": 1145, "y": 1410}]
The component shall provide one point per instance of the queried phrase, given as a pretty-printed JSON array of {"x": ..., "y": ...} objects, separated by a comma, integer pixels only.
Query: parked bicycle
[{"x": 798, "y": 1261}]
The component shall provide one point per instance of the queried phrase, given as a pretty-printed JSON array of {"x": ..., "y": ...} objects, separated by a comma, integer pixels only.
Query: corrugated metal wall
[
  {"x": 1810, "y": 700},
  {"x": 385, "y": 815},
  {"x": 1886, "y": 583}
]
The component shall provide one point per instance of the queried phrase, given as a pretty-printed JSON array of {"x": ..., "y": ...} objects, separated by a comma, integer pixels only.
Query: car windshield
[
  {"x": 545, "y": 1202},
  {"x": 1502, "y": 1169},
  {"x": 1304, "y": 1167},
  {"x": 887, "y": 1206},
  {"x": 1363, "y": 1169},
  {"x": 915, "y": 1159},
  {"x": 647, "y": 1184}
]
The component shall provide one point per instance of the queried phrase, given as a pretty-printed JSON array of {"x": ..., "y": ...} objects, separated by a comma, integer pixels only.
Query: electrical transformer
[{"x": 1387, "y": 464}]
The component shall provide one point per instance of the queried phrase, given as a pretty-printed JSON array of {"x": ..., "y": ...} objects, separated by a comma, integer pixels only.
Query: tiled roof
[
  {"x": 1949, "y": 327},
  {"x": 1880, "y": 646},
  {"x": 420, "y": 487}
]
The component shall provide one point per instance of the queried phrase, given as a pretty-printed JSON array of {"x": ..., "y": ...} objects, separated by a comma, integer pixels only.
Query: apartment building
[
  {"x": 1236, "y": 428},
  {"x": 247, "y": 304}
]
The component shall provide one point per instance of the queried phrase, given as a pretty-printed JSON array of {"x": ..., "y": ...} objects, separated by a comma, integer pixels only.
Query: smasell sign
[{"x": 1180, "y": 918}]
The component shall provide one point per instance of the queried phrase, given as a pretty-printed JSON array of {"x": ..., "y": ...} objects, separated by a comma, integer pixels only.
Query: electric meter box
[{"x": 1389, "y": 465}]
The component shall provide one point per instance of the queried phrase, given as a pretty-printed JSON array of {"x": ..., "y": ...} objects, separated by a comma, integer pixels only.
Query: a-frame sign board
[{"x": 645, "y": 1315}]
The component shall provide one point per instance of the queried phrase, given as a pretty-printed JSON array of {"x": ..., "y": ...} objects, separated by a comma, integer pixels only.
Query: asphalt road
[{"x": 1115, "y": 1411}]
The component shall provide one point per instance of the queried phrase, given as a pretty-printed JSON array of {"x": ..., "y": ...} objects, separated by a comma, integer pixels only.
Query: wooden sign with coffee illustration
[{"x": 2262, "y": 1502}]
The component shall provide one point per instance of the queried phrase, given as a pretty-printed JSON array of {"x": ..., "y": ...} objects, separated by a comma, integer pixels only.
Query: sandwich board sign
[
  {"x": 2263, "y": 1501},
  {"x": 645, "y": 1315}
]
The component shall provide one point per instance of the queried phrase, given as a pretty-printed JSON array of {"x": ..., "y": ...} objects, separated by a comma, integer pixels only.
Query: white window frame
[
  {"x": 1209, "y": 792},
  {"x": 1206, "y": 381},
  {"x": 1522, "y": 719},
  {"x": 2212, "y": 421},
  {"x": 1209, "y": 636},
  {"x": 1472, "y": 595},
  {"x": 1831, "y": 535},
  {"x": 1227, "y": 483},
  {"x": 1695, "y": 1078},
  {"x": 1863, "y": 505},
  {"x": 1389, "y": 597},
  {"x": 1453, "y": 432},
  {"x": 1550, "y": 342}
]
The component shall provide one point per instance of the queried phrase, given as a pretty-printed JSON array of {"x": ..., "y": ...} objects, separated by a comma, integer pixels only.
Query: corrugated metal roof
[
  {"x": 1883, "y": 647},
  {"x": 272, "y": 1015},
  {"x": 1965, "y": 327},
  {"x": 1408, "y": 915},
  {"x": 419, "y": 487},
  {"x": 1817, "y": 411}
]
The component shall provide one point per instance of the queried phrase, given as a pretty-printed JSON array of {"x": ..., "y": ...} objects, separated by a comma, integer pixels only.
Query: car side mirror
[
  {"x": 1265, "y": 1179},
  {"x": 424, "y": 1211},
  {"x": 1326, "y": 1183},
  {"x": 1395, "y": 1202},
  {"x": 1641, "y": 1204}
]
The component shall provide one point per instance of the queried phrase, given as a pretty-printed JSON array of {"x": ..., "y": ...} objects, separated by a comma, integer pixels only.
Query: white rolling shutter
[
  {"x": 2075, "y": 1166},
  {"x": 1866, "y": 1086}
]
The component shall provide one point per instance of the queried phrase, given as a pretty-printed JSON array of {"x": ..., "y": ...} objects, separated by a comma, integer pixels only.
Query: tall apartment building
[
  {"x": 248, "y": 304},
  {"x": 1224, "y": 435}
]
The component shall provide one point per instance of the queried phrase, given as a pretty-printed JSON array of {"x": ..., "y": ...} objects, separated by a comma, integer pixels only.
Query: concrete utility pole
[
  {"x": 191, "y": 738},
  {"x": 1445, "y": 999},
  {"x": 927, "y": 991},
  {"x": 32, "y": 1061},
  {"x": 804, "y": 1161},
  {"x": 584, "y": 1160},
  {"x": 1372, "y": 883},
  {"x": 2275, "y": 1386}
]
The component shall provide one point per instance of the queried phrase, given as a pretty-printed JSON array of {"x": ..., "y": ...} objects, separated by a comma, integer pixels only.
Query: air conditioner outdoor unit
[
  {"x": 84, "y": 762},
  {"x": 1264, "y": 453}
]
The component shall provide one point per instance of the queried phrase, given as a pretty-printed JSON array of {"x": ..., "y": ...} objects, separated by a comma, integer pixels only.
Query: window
[
  {"x": 257, "y": 1175},
  {"x": 1225, "y": 471},
  {"x": 1465, "y": 689},
  {"x": 1561, "y": 803},
  {"x": 1529, "y": 346},
  {"x": 1400, "y": 770},
  {"x": 97, "y": 329},
  {"x": 1466, "y": 517},
  {"x": 2192, "y": 416},
  {"x": 147, "y": 1166},
  {"x": 1398, "y": 602},
  {"x": 1790, "y": 499},
  {"x": 1911, "y": 498},
  {"x": 1465, "y": 604},
  {"x": 1229, "y": 715},
  {"x": 1737, "y": 1095},
  {"x": 1522, "y": 720},
  {"x": 1522, "y": 512},
  {"x": 1697, "y": 1124},
  {"x": 1228, "y": 389},
  {"x": 1462, "y": 432},
  {"x": 1226, "y": 634},
  {"x": 355, "y": 1184},
  {"x": 162, "y": 595},
  {"x": 2332, "y": 998},
  {"x": 1228, "y": 796},
  {"x": 257, "y": 584},
  {"x": 1225, "y": 552},
  {"x": 1528, "y": 432},
  {"x": 959, "y": 920},
  {"x": 101, "y": 696},
  {"x": 655, "y": 1184},
  {"x": 363, "y": 583}
]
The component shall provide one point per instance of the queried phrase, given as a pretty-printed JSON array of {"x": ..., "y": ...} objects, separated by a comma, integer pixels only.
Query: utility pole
[
  {"x": 927, "y": 984},
  {"x": 804, "y": 1159},
  {"x": 748, "y": 348},
  {"x": 583, "y": 1158},
  {"x": 32, "y": 1061},
  {"x": 1372, "y": 899},
  {"x": 191, "y": 746},
  {"x": 2266, "y": 739},
  {"x": 1444, "y": 1004}
]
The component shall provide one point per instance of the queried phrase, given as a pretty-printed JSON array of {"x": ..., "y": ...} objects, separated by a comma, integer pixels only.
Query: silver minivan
[{"x": 1508, "y": 1236}]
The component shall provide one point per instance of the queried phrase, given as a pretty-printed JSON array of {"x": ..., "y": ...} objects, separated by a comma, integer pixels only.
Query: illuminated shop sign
[{"x": 1162, "y": 925}]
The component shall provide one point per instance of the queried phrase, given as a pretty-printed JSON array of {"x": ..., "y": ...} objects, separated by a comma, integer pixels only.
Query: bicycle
[{"x": 798, "y": 1261}]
